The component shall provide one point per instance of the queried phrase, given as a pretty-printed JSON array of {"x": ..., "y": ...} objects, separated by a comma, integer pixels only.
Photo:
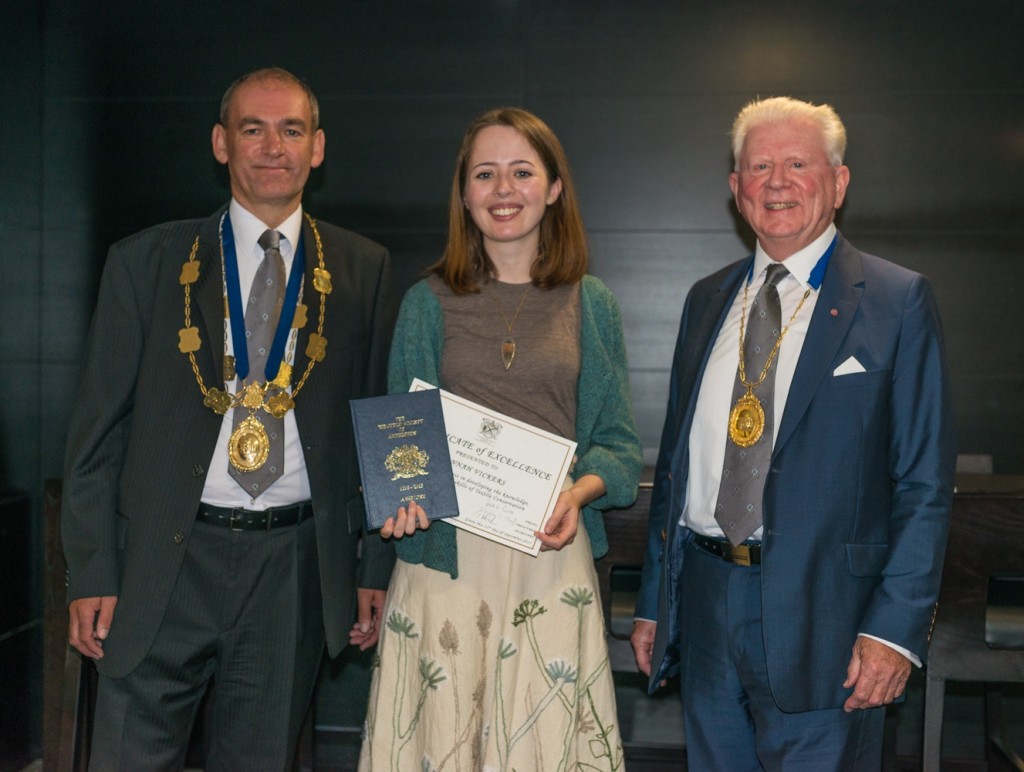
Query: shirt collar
[
  {"x": 248, "y": 228},
  {"x": 801, "y": 263}
]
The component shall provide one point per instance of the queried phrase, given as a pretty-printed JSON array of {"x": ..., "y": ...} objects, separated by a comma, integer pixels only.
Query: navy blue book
[{"x": 403, "y": 455}]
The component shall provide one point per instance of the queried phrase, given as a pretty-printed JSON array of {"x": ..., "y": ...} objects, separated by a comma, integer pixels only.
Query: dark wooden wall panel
[
  {"x": 20, "y": 217},
  {"x": 650, "y": 274},
  {"x": 934, "y": 161},
  {"x": 21, "y": 309},
  {"x": 19, "y": 292},
  {"x": 648, "y": 162}
]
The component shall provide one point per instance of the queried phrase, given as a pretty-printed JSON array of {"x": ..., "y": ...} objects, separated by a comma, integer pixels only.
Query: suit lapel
[
  {"x": 708, "y": 325},
  {"x": 841, "y": 291},
  {"x": 209, "y": 296}
]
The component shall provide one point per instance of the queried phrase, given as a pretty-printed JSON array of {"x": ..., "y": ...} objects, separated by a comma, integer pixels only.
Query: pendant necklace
[
  {"x": 508, "y": 346},
  {"x": 746, "y": 419}
]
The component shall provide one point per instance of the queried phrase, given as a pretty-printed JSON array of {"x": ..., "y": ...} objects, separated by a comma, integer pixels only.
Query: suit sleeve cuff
[{"x": 905, "y": 652}]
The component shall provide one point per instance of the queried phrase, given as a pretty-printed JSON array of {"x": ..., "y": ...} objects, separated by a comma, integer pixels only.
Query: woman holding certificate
[{"x": 491, "y": 658}]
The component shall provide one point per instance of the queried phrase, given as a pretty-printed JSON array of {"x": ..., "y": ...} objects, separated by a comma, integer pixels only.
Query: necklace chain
[
  {"x": 219, "y": 401},
  {"x": 501, "y": 308},
  {"x": 751, "y": 385},
  {"x": 508, "y": 345}
]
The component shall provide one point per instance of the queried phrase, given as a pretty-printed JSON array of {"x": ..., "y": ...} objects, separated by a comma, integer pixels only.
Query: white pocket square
[{"x": 849, "y": 367}]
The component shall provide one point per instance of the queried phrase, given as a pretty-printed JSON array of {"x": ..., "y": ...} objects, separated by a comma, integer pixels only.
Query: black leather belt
[
  {"x": 250, "y": 520},
  {"x": 741, "y": 555}
]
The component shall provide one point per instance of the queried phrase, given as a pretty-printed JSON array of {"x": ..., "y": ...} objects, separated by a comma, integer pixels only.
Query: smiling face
[
  {"x": 269, "y": 146},
  {"x": 507, "y": 192},
  {"x": 785, "y": 187}
]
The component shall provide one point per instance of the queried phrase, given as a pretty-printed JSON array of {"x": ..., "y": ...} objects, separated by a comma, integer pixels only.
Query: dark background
[{"x": 108, "y": 106}]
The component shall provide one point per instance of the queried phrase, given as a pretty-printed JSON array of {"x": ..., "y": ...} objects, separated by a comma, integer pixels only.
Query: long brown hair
[{"x": 562, "y": 248}]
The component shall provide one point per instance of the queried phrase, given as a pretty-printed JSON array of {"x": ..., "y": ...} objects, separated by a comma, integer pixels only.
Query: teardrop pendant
[{"x": 508, "y": 351}]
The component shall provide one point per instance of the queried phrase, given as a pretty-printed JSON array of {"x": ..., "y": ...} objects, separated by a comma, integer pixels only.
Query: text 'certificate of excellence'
[{"x": 508, "y": 474}]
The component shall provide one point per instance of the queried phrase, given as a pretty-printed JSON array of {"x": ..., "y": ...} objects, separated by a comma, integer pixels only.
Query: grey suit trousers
[{"x": 246, "y": 612}]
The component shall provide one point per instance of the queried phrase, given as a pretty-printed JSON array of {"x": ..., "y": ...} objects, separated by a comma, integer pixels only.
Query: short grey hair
[
  {"x": 263, "y": 75},
  {"x": 778, "y": 109}
]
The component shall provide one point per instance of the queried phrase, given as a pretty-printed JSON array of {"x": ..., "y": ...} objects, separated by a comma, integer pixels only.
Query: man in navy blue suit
[{"x": 804, "y": 484}]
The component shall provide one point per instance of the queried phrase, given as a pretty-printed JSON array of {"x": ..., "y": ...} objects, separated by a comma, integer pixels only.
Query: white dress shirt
[
  {"x": 709, "y": 432},
  {"x": 293, "y": 485}
]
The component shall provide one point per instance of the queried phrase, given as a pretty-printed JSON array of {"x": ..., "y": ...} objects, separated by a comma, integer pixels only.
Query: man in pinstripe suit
[{"x": 180, "y": 571}]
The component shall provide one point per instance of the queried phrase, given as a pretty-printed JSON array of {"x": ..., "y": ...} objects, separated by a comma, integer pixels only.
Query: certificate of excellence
[
  {"x": 403, "y": 455},
  {"x": 508, "y": 474}
]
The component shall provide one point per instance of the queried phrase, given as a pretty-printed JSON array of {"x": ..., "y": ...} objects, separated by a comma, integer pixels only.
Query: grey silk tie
[
  {"x": 740, "y": 494},
  {"x": 262, "y": 312}
]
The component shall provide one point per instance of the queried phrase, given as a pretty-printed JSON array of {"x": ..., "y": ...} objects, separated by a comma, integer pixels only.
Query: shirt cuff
[{"x": 908, "y": 654}]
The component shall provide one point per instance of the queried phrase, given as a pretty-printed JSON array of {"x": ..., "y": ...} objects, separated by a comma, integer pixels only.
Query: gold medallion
[
  {"x": 322, "y": 280},
  {"x": 249, "y": 445},
  {"x": 189, "y": 273},
  {"x": 284, "y": 376},
  {"x": 746, "y": 421},
  {"x": 316, "y": 348},
  {"x": 188, "y": 340},
  {"x": 218, "y": 401},
  {"x": 252, "y": 398},
  {"x": 279, "y": 404}
]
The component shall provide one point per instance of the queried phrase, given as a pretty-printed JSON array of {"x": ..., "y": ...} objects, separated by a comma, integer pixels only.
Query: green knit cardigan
[{"x": 607, "y": 441}]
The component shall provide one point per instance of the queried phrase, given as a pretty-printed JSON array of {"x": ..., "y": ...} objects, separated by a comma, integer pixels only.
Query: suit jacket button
[
  {"x": 179, "y": 537},
  {"x": 669, "y": 475},
  {"x": 664, "y": 535},
  {"x": 198, "y": 471}
]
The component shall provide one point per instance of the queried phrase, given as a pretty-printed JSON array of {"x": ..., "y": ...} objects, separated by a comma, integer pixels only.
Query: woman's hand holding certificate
[
  {"x": 509, "y": 477},
  {"x": 561, "y": 527}
]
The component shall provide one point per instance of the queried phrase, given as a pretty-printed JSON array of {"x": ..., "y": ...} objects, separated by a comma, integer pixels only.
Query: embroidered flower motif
[
  {"x": 448, "y": 638},
  {"x": 527, "y": 610}
]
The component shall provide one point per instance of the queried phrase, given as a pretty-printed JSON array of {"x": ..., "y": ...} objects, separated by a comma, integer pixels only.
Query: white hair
[{"x": 779, "y": 109}]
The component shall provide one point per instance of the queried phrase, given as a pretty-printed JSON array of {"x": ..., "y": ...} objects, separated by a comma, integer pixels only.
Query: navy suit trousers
[{"x": 731, "y": 718}]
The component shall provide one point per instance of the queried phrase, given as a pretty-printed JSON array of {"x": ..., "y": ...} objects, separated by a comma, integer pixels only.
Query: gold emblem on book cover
[{"x": 407, "y": 461}]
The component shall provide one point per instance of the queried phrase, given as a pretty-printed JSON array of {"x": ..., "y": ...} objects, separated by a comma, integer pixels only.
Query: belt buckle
[
  {"x": 235, "y": 517},
  {"x": 738, "y": 555}
]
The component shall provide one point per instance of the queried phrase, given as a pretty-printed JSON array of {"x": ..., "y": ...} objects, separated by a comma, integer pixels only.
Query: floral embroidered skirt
[{"x": 504, "y": 668}]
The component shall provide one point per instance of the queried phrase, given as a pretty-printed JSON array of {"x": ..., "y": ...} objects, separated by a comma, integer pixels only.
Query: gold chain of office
[
  {"x": 746, "y": 419},
  {"x": 272, "y": 396}
]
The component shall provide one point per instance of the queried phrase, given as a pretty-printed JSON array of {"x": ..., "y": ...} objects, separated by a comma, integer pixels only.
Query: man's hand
[
  {"x": 877, "y": 674},
  {"x": 366, "y": 630},
  {"x": 642, "y": 640},
  {"x": 89, "y": 623}
]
